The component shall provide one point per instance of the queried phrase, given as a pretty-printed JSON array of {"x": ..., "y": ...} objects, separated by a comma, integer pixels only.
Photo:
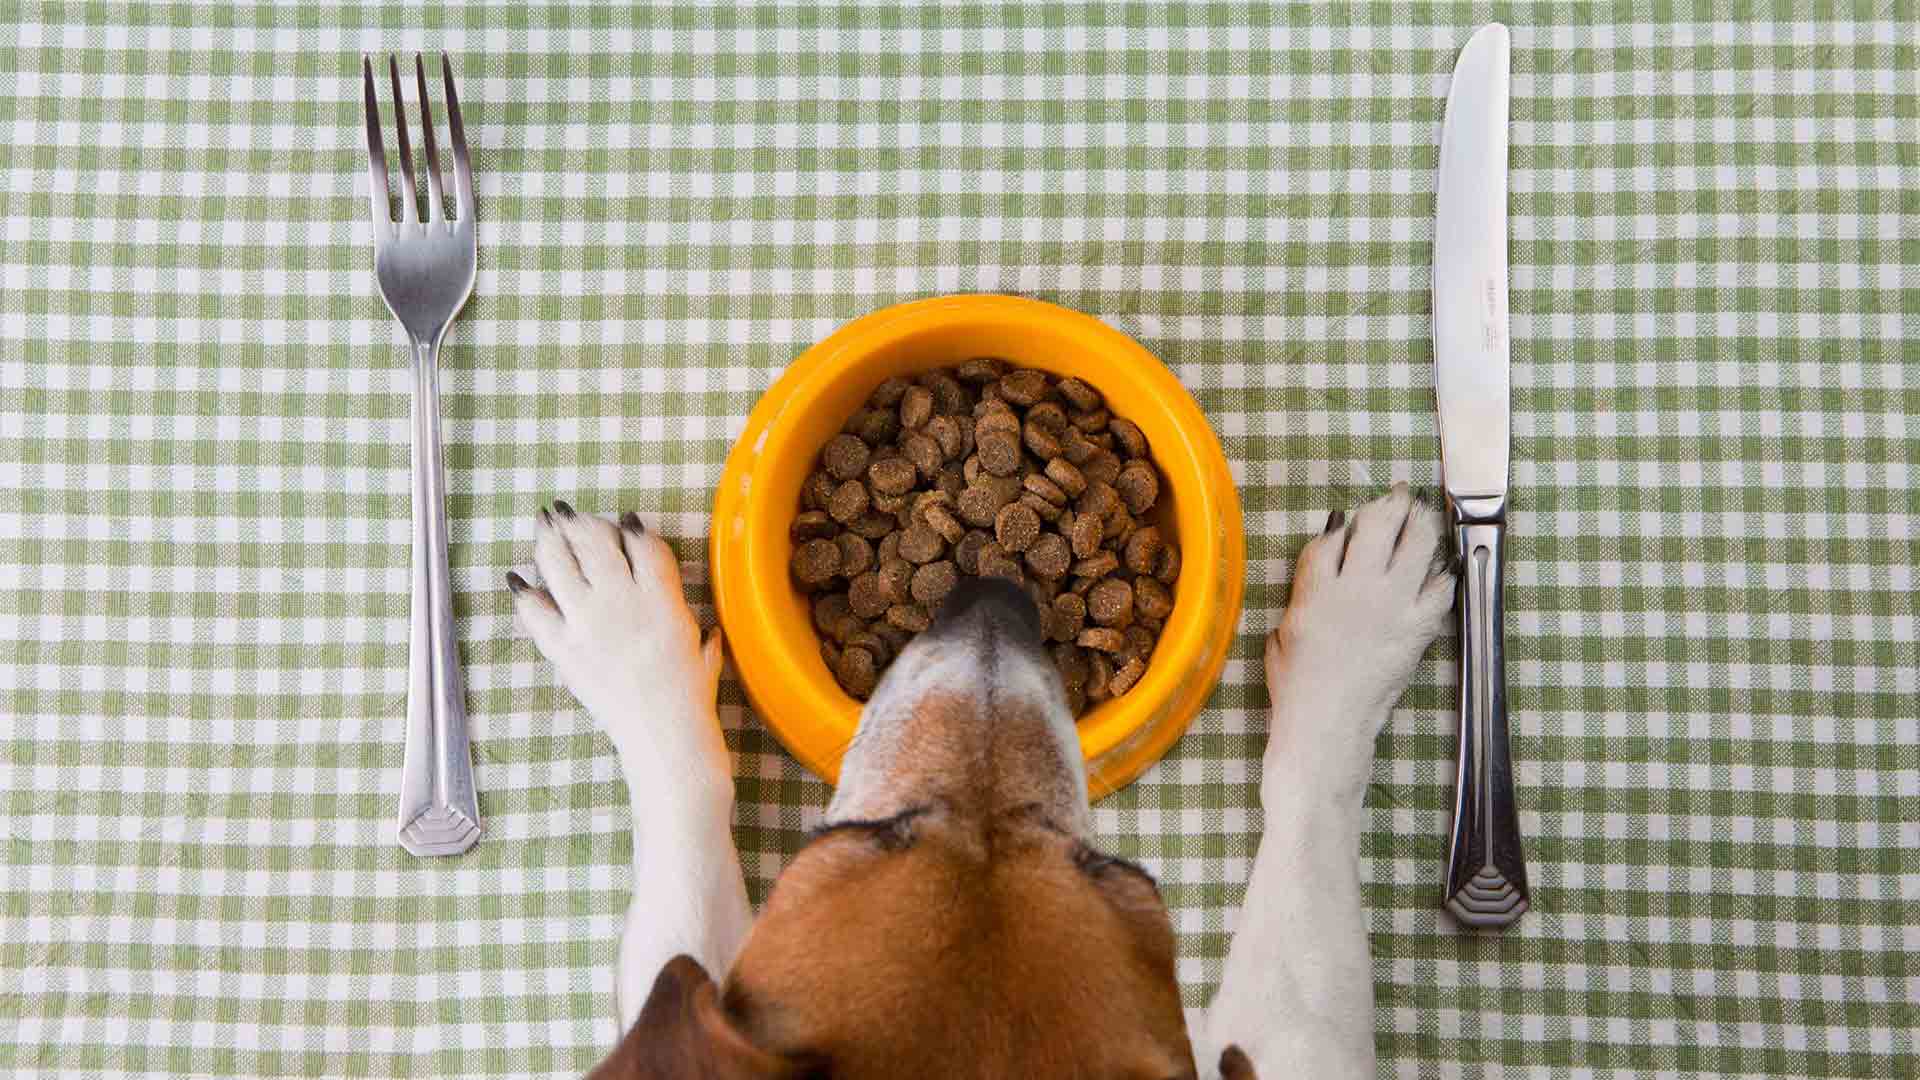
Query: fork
[{"x": 425, "y": 267}]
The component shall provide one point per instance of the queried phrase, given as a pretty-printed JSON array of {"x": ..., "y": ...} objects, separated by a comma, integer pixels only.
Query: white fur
[
  {"x": 1297, "y": 994},
  {"x": 956, "y": 664},
  {"x": 628, "y": 648}
]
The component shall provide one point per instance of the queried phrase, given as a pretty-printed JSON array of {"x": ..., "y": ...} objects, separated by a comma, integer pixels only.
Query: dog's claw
[
  {"x": 1335, "y": 519},
  {"x": 516, "y": 584},
  {"x": 631, "y": 521},
  {"x": 565, "y": 508}
]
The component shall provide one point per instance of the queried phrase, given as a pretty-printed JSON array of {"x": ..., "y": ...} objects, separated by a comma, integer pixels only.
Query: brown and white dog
[{"x": 951, "y": 917}]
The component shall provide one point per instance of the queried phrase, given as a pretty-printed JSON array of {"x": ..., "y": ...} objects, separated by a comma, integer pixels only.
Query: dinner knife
[{"x": 1486, "y": 869}]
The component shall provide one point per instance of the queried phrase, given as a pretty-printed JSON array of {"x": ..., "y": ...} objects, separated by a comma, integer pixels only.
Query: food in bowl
[{"x": 990, "y": 469}]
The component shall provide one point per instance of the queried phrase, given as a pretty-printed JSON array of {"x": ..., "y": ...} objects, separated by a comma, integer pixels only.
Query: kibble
[
  {"x": 873, "y": 643},
  {"x": 892, "y": 476},
  {"x": 951, "y": 480},
  {"x": 1139, "y": 486},
  {"x": 997, "y": 561},
  {"x": 816, "y": 491},
  {"x": 1103, "y": 467},
  {"x": 828, "y": 610},
  {"x": 815, "y": 563},
  {"x": 920, "y": 544},
  {"x": 1099, "y": 677},
  {"x": 949, "y": 397},
  {"x": 1077, "y": 448},
  {"x": 996, "y": 471},
  {"x": 916, "y": 407},
  {"x": 1151, "y": 600},
  {"x": 1079, "y": 394},
  {"x": 1142, "y": 549},
  {"x": 1045, "y": 488},
  {"x": 979, "y": 372},
  {"x": 857, "y": 672},
  {"x": 873, "y": 525},
  {"x": 909, "y": 617},
  {"x": 1086, "y": 535},
  {"x": 945, "y": 431},
  {"x": 1069, "y": 615},
  {"x": 924, "y": 451},
  {"x": 888, "y": 393},
  {"x": 1140, "y": 641},
  {"x": 1043, "y": 509},
  {"x": 932, "y": 582},
  {"x": 865, "y": 598},
  {"x": 979, "y": 504},
  {"x": 1167, "y": 567},
  {"x": 896, "y": 579},
  {"x": 1048, "y": 557},
  {"x": 1097, "y": 566},
  {"x": 1048, "y": 417},
  {"x": 1025, "y": 387},
  {"x": 1043, "y": 443},
  {"x": 849, "y": 502},
  {"x": 812, "y": 525},
  {"x": 941, "y": 521},
  {"x": 1000, "y": 419},
  {"x": 1016, "y": 527},
  {"x": 874, "y": 426},
  {"x": 845, "y": 456},
  {"x": 999, "y": 453},
  {"x": 856, "y": 553},
  {"x": 1111, "y": 603},
  {"x": 1088, "y": 420},
  {"x": 1122, "y": 681},
  {"x": 966, "y": 553},
  {"x": 1065, "y": 477}
]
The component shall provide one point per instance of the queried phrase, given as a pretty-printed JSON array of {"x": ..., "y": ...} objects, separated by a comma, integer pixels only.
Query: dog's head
[{"x": 949, "y": 917}]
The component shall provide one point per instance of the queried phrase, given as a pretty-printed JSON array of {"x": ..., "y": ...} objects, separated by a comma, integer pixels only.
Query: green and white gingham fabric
[{"x": 204, "y": 500}]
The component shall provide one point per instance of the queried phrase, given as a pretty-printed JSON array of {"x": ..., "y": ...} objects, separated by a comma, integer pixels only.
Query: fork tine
[
  {"x": 436, "y": 200},
  {"x": 376, "y": 157},
  {"x": 457, "y": 138},
  {"x": 406, "y": 152}
]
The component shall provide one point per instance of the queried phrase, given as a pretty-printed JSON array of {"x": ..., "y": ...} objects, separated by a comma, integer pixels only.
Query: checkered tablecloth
[{"x": 204, "y": 500}]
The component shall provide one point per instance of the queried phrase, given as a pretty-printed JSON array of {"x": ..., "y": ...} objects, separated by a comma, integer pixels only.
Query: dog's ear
[{"x": 683, "y": 1032}]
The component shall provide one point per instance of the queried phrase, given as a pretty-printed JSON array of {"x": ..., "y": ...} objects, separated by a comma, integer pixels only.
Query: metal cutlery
[
  {"x": 425, "y": 267},
  {"x": 1486, "y": 868}
]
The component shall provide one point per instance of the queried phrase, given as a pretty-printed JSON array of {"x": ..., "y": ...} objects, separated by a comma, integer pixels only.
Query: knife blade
[{"x": 1486, "y": 868}]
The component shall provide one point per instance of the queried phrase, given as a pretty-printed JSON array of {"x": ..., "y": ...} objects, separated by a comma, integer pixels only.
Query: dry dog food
[{"x": 996, "y": 471}]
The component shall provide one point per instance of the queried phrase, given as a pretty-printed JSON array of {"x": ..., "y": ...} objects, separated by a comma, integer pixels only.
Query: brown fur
[
  {"x": 969, "y": 934},
  {"x": 682, "y": 1033}
]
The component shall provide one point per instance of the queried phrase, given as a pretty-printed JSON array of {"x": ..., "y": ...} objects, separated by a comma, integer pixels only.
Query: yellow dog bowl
[{"x": 767, "y": 622}]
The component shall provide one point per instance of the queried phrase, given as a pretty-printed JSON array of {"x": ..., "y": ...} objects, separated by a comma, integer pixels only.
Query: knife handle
[{"x": 1486, "y": 869}]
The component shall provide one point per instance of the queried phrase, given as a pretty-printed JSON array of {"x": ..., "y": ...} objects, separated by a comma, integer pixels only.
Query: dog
[{"x": 951, "y": 916}]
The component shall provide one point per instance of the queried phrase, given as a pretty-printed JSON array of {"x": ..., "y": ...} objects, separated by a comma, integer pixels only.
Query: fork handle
[
  {"x": 1486, "y": 869},
  {"x": 439, "y": 814}
]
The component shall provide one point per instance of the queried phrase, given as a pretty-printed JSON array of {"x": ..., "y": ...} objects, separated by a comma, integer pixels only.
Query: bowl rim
[{"x": 814, "y": 719}]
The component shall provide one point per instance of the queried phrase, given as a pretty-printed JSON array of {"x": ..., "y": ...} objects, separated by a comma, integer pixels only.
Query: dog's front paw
[
  {"x": 1367, "y": 600},
  {"x": 609, "y": 615}
]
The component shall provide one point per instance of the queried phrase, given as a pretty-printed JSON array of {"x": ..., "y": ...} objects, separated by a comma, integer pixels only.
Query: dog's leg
[
  {"x": 610, "y": 617},
  {"x": 1297, "y": 993}
]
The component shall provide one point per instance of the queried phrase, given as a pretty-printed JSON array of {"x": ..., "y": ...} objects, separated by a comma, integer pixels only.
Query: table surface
[{"x": 204, "y": 502}]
